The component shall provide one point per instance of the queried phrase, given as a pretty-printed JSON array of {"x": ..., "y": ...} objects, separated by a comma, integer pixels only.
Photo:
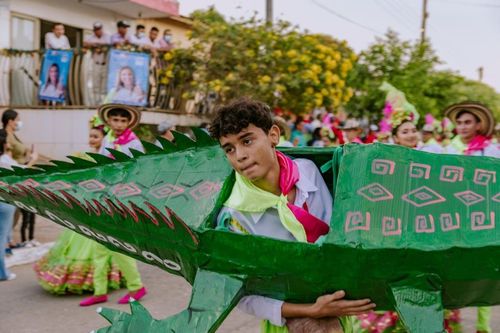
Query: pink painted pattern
[
  {"x": 447, "y": 223},
  {"x": 356, "y": 221},
  {"x": 451, "y": 174},
  {"x": 383, "y": 167},
  {"x": 423, "y": 196},
  {"x": 391, "y": 226},
  {"x": 479, "y": 222},
  {"x": 422, "y": 225},
  {"x": 375, "y": 192},
  {"x": 484, "y": 177},
  {"x": 418, "y": 170}
]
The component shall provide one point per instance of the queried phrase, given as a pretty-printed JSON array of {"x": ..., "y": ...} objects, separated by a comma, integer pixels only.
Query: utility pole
[
  {"x": 269, "y": 11},
  {"x": 423, "y": 28},
  {"x": 480, "y": 71}
]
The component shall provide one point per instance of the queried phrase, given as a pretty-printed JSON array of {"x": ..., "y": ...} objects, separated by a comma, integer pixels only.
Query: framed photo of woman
[
  {"x": 54, "y": 75},
  {"x": 128, "y": 74}
]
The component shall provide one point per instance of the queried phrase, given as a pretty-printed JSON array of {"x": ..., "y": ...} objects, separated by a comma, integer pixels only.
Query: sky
[{"x": 464, "y": 33}]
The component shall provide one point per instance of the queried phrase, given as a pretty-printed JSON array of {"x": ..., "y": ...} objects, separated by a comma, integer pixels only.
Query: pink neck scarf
[
  {"x": 289, "y": 176},
  {"x": 125, "y": 137},
  {"x": 478, "y": 143}
]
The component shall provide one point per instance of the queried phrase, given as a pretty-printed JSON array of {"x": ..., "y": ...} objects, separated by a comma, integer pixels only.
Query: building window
[{"x": 23, "y": 32}]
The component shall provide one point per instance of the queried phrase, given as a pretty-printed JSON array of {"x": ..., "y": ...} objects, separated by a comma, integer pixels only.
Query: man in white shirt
[
  {"x": 153, "y": 38},
  {"x": 121, "y": 37},
  {"x": 57, "y": 39},
  {"x": 139, "y": 38},
  {"x": 98, "y": 39}
]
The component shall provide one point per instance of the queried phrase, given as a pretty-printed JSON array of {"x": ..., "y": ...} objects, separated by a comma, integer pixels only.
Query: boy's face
[
  {"x": 118, "y": 124},
  {"x": 467, "y": 126},
  {"x": 251, "y": 152}
]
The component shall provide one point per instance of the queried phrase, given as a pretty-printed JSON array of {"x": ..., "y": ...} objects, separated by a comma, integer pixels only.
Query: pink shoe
[
  {"x": 137, "y": 295},
  {"x": 94, "y": 300}
]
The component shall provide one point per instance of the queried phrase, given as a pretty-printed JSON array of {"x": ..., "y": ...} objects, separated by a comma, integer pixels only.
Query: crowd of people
[
  {"x": 57, "y": 39},
  {"x": 248, "y": 134},
  {"x": 471, "y": 134}
]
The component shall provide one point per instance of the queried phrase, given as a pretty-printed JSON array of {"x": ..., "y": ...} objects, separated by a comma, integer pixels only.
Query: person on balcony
[
  {"x": 56, "y": 39},
  {"x": 153, "y": 38},
  {"x": 165, "y": 42},
  {"x": 139, "y": 38},
  {"x": 96, "y": 41},
  {"x": 121, "y": 37}
]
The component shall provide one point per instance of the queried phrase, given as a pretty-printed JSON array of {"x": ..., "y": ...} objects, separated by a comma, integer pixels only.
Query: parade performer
[
  {"x": 281, "y": 198},
  {"x": 429, "y": 142},
  {"x": 121, "y": 119},
  {"x": 475, "y": 125},
  {"x": 401, "y": 118},
  {"x": 68, "y": 267}
]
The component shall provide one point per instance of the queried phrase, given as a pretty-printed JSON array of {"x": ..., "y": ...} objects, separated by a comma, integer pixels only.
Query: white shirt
[
  {"x": 141, "y": 41},
  {"x": 134, "y": 144},
  {"x": 54, "y": 42},
  {"x": 310, "y": 189},
  {"x": 7, "y": 162},
  {"x": 116, "y": 38},
  {"x": 105, "y": 39}
]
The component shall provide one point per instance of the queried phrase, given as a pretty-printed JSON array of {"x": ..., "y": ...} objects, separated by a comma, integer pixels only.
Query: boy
[
  {"x": 121, "y": 119},
  {"x": 280, "y": 198}
]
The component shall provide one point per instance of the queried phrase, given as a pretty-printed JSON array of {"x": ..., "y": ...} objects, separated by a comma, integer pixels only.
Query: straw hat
[
  {"x": 135, "y": 115},
  {"x": 484, "y": 114}
]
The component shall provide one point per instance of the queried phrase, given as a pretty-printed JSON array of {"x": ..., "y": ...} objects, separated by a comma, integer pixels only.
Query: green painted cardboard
[{"x": 413, "y": 231}]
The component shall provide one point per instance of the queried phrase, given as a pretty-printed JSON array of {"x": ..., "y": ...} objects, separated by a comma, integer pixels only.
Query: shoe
[
  {"x": 10, "y": 277},
  {"x": 136, "y": 295},
  {"x": 27, "y": 244},
  {"x": 94, "y": 300},
  {"x": 35, "y": 243}
]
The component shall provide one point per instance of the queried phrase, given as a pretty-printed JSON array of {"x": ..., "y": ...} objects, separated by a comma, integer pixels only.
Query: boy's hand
[{"x": 333, "y": 305}]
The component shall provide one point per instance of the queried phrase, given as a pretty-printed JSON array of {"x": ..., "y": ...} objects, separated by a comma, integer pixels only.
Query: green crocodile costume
[{"x": 412, "y": 231}]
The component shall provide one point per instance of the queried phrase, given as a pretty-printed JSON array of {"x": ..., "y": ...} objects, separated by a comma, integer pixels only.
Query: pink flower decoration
[
  {"x": 385, "y": 126},
  {"x": 388, "y": 110},
  {"x": 429, "y": 119}
]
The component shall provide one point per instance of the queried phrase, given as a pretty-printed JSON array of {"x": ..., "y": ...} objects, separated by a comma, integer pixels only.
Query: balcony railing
[{"x": 87, "y": 81}]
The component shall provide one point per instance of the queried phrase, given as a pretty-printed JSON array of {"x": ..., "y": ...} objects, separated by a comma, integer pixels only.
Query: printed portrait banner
[
  {"x": 54, "y": 75},
  {"x": 128, "y": 74}
]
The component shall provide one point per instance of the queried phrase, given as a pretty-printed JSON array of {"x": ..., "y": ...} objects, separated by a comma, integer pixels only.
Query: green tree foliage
[
  {"x": 276, "y": 63},
  {"x": 410, "y": 67}
]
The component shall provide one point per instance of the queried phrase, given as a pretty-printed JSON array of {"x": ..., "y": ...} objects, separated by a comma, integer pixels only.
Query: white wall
[
  {"x": 58, "y": 133},
  {"x": 4, "y": 24}
]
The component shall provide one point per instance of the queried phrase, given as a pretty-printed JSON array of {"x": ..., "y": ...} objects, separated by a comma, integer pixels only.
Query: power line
[
  {"x": 331, "y": 11},
  {"x": 390, "y": 10},
  {"x": 409, "y": 13},
  {"x": 486, "y": 5}
]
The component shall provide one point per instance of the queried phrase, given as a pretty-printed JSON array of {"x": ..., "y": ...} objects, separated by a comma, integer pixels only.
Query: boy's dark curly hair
[{"x": 239, "y": 114}]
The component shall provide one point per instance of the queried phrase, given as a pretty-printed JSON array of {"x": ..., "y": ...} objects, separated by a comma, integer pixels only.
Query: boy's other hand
[{"x": 334, "y": 305}]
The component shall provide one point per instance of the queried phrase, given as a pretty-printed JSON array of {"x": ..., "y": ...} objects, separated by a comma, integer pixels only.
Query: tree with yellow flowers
[{"x": 278, "y": 64}]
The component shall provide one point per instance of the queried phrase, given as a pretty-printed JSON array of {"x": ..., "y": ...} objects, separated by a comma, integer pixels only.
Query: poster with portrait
[
  {"x": 128, "y": 74},
  {"x": 53, "y": 85}
]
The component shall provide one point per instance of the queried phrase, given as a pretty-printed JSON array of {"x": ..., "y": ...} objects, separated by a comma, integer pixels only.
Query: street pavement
[{"x": 26, "y": 308}]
